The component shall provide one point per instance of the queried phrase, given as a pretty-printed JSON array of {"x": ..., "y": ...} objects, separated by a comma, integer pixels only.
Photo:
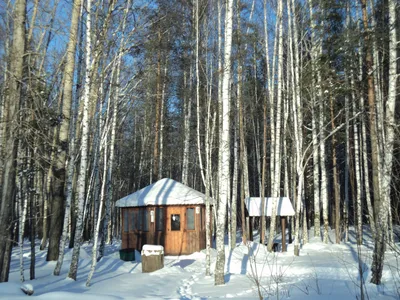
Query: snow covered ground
[{"x": 320, "y": 272}]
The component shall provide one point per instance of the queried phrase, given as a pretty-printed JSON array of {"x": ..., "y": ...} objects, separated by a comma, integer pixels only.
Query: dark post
[{"x": 283, "y": 221}]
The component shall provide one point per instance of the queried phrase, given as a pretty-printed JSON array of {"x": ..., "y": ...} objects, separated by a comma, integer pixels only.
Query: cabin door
[{"x": 174, "y": 231}]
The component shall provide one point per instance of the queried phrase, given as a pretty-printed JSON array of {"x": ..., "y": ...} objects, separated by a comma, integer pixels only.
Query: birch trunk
[
  {"x": 263, "y": 170},
  {"x": 84, "y": 150},
  {"x": 244, "y": 167},
  {"x": 209, "y": 144},
  {"x": 156, "y": 147},
  {"x": 382, "y": 208},
  {"x": 316, "y": 156},
  {"x": 33, "y": 219},
  {"x": 276, "y": 140},
  {"x": 335, "y": 174},
  {"x": 297, "y": 121},
  {"x": 346, "y": 171},
  {"x": 390, "y": 121},
  {"x": 198, "y": 92},
  {"x": 98, "y": 222},
  {"x": 358, "y": 203},
  {"x": 22, "y": 201},
  {"x": 224, "y": 172},
  {"x": 186, "y": 143},
  {"x": 234, "y": 197},
  {"x": 163, "y": 92},
  {"x": 106, "y": 237},
  {"x": 324, "y": 181}
]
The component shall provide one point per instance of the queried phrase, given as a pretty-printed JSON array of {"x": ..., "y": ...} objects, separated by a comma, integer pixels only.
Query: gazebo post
[{"x": 283, "y": 222}]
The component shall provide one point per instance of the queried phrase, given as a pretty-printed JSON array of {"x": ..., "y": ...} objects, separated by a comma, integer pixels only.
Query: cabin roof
[
  {"x": 253, "y": 205},
  {"x": 163, "y": 192}
]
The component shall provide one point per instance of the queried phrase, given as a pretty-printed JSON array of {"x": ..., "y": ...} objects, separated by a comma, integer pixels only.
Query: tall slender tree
[
  {"x": 224, "y": 148},
  {"x": 61, "y": 159},
  {"x": 10, "y": 139}
]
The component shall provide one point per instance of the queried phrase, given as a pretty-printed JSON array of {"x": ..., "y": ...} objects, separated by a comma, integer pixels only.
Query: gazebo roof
[
  {"x": 163, "y": 192},
  {"x": 253, "y": 205}
]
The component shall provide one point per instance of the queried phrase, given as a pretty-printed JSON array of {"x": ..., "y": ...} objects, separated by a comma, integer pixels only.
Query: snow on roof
[
  {"x": 253, "y": 205},
  {"x": 163, "y": 192}
]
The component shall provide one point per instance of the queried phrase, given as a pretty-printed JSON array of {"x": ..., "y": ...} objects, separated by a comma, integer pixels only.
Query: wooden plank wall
[{"x": 175, "y": 242}]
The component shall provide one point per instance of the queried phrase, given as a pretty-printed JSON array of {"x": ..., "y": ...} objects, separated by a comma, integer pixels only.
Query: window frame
[
  {"x": 126, "y": 220},
  {"x": 159, "y": 218},
  {"x": 172, "y": 220},
  {"x": 133, "y": 222},
  {"x": 187, "y": 218},
  {"x": 145, "y": 220}
]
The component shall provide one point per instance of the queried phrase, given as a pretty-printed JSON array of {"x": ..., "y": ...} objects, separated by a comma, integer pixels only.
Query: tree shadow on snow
[{"x": 183, "y": 263}]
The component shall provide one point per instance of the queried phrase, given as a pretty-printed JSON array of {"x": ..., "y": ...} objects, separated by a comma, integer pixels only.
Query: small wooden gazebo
[
  {"x": 166, "y": 213},
  {"x": 284, "y": 209}
]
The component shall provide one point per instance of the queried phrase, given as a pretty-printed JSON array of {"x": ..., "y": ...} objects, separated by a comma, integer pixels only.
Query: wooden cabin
[
  {"x": 284, "y": 208},
  {"x": 166, "y": 213}
]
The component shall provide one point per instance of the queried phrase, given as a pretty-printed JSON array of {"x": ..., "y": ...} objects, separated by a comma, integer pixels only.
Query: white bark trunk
[
  {"x": 276, "y": 140},
  {"x": 208, "y": 146},
  {"x": 316, "y": 164},
  {"x": 324, "y": 180},
  {"x": 233, "y": 208},
  {"x": 390, "y": 110},
  {"x": 297, "y": 121},
  {"x": 357, "y": 164},
  {"x": 106, "y": 237},
  {"x": 224, "y": 172},
  {"x": 198, "y": 93},
  {"x": 160, "y": 164},
  {"x": 99, "y": 217},
  {"x": 22, "y": 201},
  {"x": 84, "y": 150},
  {"x": 186, "y": 143}
]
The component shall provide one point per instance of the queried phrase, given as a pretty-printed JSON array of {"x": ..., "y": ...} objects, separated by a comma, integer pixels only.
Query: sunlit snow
[{"x": 322, "y": 271}]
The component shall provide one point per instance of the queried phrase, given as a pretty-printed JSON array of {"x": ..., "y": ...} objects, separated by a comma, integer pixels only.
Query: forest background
[{"x": 100, "y": 98}]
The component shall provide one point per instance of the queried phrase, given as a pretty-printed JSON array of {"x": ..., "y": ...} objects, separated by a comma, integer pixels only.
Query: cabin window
[
  {"x": 159, "y": 219},
  {"x": 134, "y": 220},
  {"x": 126, "y": 220},
  {"x": 145, "y": 219},
  {"x": 190, "y": 218},
  {"x": 140, "y": 220},
  {"x": 175, "y": 222}
]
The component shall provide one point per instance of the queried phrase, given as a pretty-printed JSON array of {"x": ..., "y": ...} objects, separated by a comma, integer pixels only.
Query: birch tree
[
  {"x": 276, "y": 139},
  {"x": 187, "y": 117},
  {"x": 84, "y": 149},
  {"x": 297, "y": 119},
  {"x": 382, "y": 206},
  {"x": 224, "y": 148}
]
